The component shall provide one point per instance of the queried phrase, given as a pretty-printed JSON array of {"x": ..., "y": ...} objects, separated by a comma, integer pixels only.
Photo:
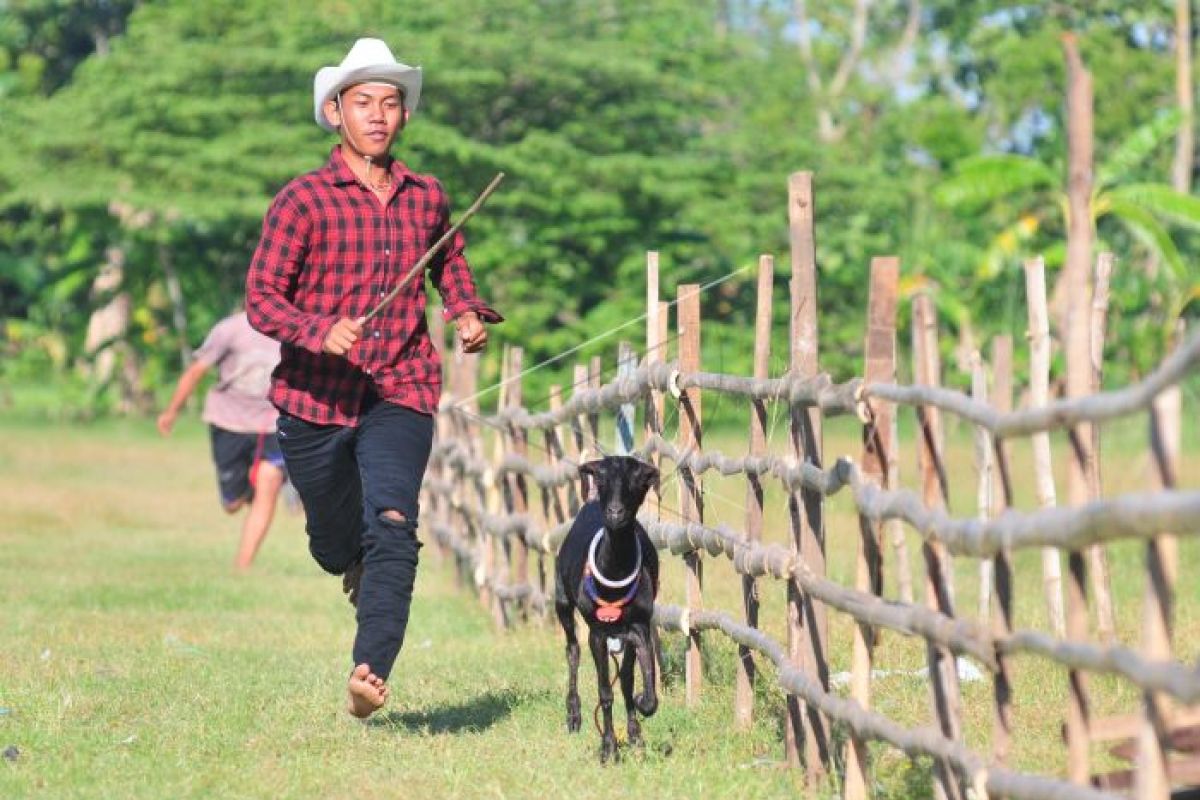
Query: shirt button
[
  {"x": 387, "y": 251},
  {"x": 376, "y": 334},
  {"x": 382, "y": 293},
  {"x": 367, "y": 370}
]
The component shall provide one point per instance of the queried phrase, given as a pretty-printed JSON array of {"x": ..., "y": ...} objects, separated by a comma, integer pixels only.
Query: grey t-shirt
[{"x": 244, "y": 359}]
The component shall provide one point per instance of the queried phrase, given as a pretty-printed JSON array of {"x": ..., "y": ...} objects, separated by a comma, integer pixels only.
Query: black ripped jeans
[{"x": 347, "y": 478}]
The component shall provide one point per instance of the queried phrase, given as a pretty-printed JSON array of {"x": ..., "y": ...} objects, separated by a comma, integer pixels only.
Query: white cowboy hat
[{"x": 369, "y": 61}]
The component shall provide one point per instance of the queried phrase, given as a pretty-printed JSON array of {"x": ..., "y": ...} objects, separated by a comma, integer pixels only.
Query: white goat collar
[{"x": 611, "y": 584}]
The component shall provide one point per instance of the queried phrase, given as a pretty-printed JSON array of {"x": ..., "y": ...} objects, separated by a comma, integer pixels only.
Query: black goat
[{"x": 607, "y": 568}]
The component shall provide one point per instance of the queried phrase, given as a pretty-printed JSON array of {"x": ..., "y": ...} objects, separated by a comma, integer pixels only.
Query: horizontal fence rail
[{"x": 497, "y": 514}]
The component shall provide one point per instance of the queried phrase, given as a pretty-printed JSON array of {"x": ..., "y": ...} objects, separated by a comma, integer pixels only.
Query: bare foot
[{"x": 365, "y": 693}]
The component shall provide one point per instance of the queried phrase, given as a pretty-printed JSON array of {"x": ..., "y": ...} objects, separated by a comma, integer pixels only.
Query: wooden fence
[{"x": 482, "y": 507}]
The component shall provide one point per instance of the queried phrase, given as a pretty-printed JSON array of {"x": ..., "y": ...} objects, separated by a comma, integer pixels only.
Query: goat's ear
[
  {"x": 648, "y": 474},
  {"x": 592, "y": 469}
]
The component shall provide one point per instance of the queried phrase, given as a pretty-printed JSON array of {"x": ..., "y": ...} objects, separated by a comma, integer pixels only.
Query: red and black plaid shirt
[{"x": 330, "y": 249}]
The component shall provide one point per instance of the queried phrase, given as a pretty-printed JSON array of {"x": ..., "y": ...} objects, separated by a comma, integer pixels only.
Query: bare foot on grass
[{"x": 365, "y": 693}]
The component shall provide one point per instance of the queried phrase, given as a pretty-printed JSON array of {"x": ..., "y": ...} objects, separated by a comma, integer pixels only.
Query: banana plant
[{"x": 1146, "y": 210}]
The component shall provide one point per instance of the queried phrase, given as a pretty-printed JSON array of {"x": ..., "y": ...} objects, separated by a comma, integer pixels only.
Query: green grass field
[{"x": 133, "y": 663}]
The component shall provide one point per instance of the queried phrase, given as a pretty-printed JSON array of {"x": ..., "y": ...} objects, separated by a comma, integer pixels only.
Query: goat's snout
[{"x": 616, "y": 514}]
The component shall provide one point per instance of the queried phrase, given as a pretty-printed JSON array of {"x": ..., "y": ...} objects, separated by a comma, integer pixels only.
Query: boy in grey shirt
[{"x": 241, "y": 423}]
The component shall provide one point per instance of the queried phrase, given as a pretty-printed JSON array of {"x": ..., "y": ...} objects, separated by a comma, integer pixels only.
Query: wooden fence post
[
  {"x": 1152, "y": 781},
  {"x": 595, "y": 381},
  {"x": 1097, "y": 554},
  {"x": 466, "y": 428},
  {"x": 626, "y": 366},
  {"x": 559, "y": 499},
  {"x": 808, "y": 634},
  {"x": 1002, "y": 401},
  {"x": 655, "y": 344},
  {"x": 516, "y": 488},
  {"x": 744, "y": 696},
  {"x": 985, "y": 483},
  {"x": 939, "y": 593},
  {"x": 580, "y": 449},
  {"x": 880, "y": 367},
  {"x": 1039, "y": 395},
  {"x": 691, "y": 503},
  {"x": 495, "y": 567},
  {"x": 1076, "y": 287},
  {"x": 1002, "y": 615}
]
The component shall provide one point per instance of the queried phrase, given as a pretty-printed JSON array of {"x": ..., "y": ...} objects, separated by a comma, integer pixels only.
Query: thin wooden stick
[{"x": 432, "y": 251}]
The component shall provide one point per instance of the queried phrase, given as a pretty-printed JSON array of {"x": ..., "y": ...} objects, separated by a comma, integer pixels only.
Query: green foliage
[{"x": 622, "y": 127}]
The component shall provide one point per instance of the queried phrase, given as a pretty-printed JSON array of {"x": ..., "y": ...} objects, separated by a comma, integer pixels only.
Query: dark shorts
[{"x": 237, "y": 456}]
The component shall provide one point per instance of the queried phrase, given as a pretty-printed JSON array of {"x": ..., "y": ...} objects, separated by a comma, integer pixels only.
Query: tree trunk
[
  {"x": 179, "y": 308},
  {"x": 1181, "y": 169}
]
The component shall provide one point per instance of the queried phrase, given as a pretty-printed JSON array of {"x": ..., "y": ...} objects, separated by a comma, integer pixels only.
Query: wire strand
[{"x": 598, "y": 337}]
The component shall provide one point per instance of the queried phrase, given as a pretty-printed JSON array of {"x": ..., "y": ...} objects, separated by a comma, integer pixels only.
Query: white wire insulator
[{"x": 673, "y": 385}]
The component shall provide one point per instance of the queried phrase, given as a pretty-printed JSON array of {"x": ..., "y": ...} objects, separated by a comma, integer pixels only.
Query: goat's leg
[
  {"x": 647, "y": 701},
  {"x": 608, "y": 739},
  {"x": 632, "y": 727},
  {"x": 566, "y": 617}
]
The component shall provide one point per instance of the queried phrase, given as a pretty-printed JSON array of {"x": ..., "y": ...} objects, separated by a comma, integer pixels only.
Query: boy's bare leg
[
  {"x": 262, "y": 511},
  {"x": 365, "y": 693}
]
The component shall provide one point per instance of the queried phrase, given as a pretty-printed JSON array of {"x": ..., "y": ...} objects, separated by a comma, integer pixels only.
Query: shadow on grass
[{"x": 477, "y": 714}]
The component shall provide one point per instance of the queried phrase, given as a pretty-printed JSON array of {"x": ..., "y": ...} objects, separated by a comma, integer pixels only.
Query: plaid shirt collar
[{"x": 338, "y": 172}]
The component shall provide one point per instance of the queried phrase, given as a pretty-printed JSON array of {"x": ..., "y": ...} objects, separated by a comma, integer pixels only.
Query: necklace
[{"x": 381, "y": 186}]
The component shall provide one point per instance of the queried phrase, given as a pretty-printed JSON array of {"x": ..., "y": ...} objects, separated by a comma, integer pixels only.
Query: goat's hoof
[
  {"x": 609, "y": 751},
  {"x": 635, "y": 736},
  {"x": 574, "y": 722},
  {"x": 646, "y": 704}
]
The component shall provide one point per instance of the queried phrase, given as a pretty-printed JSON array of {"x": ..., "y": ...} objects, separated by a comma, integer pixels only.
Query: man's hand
[
  {"x": 166, "y": 421},
  {"x": 342, "y": 336},
  {"x": 472, "y": 332}
]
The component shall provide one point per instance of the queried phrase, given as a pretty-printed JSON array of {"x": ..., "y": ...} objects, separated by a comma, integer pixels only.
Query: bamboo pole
[
  {"x": 745, "y": 672},
  {"x": 808, "y": 634},
  {"x": 691, "y": 504},
  {"x": 880, "y": 350},
  {"x": 1039, "y": 395},
  {"x": 939, "y": 590},
  {"x": 1152, "y": 780}
]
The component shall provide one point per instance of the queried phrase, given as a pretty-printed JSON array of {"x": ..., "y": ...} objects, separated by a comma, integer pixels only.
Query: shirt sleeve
[
  {"x": 450, "y": 272},
  {"x": 215, "y": 345},
  {"x": 272, "y": 278}
]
